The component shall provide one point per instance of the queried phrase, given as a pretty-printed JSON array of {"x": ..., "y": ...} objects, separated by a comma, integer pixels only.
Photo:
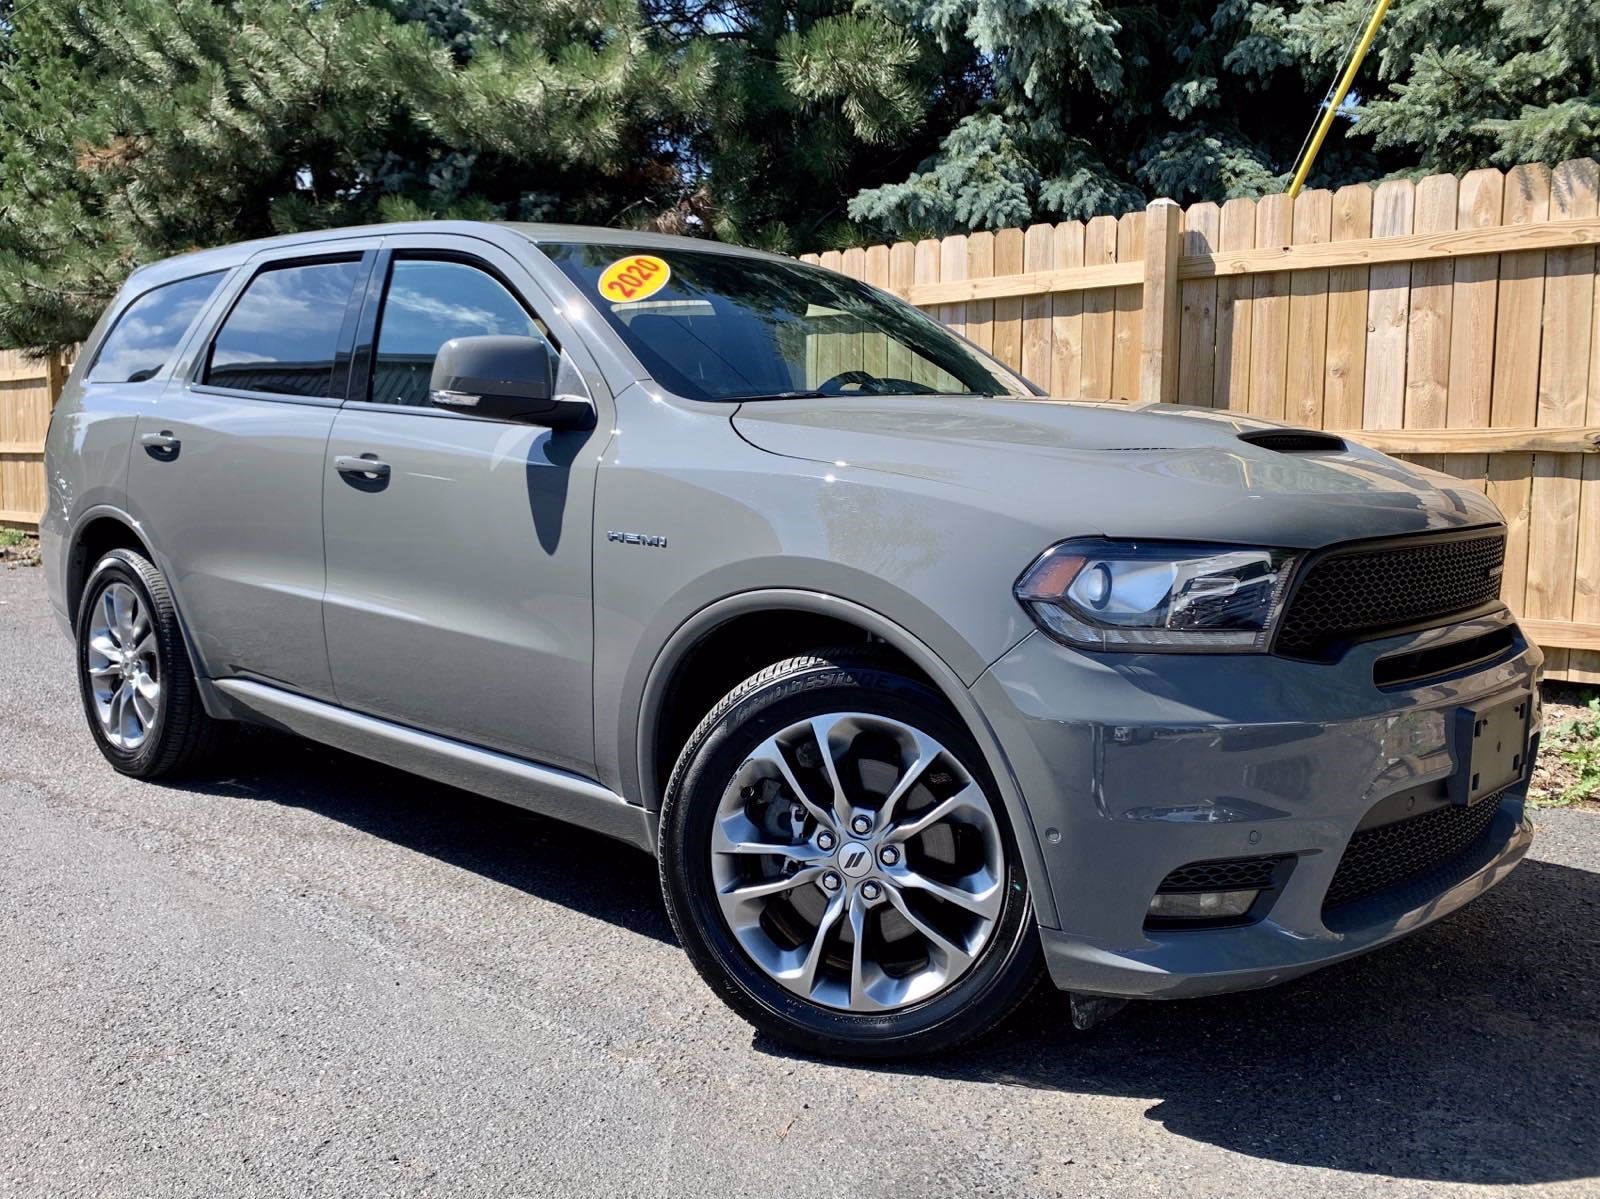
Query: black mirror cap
[{"x": 505, "y": 378}]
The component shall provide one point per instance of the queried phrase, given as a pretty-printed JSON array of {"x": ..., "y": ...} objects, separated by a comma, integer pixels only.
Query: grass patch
[
  {"x": 11, "y": 537},
  {"x": 1569, "y": 760}
]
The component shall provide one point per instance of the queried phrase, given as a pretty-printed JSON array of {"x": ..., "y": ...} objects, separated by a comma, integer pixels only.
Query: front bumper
[{"x": 1133, "y": 765}]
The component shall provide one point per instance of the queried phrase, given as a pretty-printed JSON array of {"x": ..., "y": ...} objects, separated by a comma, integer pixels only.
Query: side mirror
[{"x": 505, "y": 378}]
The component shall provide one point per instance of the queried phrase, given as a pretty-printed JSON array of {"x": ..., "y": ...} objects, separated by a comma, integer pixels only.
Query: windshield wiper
[{"x": 784, "y": 395}]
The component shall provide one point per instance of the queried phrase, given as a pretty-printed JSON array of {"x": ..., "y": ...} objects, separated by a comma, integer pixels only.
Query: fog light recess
[
  {"x": 1218, "y": 893},
  {"x": 1202, "y": 905}
]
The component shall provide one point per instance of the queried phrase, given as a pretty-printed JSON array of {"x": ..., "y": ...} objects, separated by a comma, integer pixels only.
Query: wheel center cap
[{"x": 855, "y": 859}]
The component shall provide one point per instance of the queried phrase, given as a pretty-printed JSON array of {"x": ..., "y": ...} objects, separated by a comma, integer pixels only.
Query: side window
[
  {"x": 283, "y": 334},
  {"x": 149, "y": 330},
  {"x": 429, "y": 301}
]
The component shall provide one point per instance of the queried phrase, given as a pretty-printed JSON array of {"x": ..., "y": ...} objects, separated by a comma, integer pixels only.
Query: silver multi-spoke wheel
[
  {"x": 857, "y": 862},
  {"x": 124, "y": 667}
]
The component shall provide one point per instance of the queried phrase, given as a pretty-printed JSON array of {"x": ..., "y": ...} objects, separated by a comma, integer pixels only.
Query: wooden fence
[
  {"x": 28, "y": 390},
  {"x": 1453, "y": 321}
]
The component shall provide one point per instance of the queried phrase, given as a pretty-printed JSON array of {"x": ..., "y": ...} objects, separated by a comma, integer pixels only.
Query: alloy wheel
[
  {"x": 857, "y": 862},
  {"x": 124, "y": 667}
]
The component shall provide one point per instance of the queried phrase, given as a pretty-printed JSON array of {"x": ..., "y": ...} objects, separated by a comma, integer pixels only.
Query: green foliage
[
  {"x": 1576, "y": 745},
  {"x": 135, "y": 129}
]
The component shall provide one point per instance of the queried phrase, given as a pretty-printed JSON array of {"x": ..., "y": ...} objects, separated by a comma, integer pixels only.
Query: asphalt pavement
[{"x": 311, "y": 975}]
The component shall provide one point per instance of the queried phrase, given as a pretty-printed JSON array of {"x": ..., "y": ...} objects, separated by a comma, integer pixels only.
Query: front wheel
[{"x": 838, "y": 867}]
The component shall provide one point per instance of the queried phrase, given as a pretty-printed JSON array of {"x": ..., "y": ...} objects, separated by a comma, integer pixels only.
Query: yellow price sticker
[{"x": 636, "y": 277}]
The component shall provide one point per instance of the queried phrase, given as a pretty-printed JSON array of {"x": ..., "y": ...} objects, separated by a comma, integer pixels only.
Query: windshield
[{"x": 714, "y": 326}]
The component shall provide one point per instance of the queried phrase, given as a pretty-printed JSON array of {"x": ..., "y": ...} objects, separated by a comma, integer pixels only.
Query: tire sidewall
[
  {"x": 983, "y": 994},
  {"x": 123, "y": 566}
]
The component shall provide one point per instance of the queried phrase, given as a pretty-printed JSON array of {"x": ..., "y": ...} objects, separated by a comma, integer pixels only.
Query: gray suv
[{"x": 912, "y": 680}]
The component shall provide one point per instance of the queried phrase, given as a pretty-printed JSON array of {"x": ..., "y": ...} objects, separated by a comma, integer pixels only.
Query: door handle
[
  {"x": 365, "y": 466},
  {"x": 160, "y": 445}
]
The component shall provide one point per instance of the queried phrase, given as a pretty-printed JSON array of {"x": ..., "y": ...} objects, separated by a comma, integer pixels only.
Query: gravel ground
[{"x": 311, "y": 975}]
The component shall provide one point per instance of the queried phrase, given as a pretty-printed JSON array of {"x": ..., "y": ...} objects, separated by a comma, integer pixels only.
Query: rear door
[
  {"x": 226, "y": 468},
  {"x": 458, "y": 595}
]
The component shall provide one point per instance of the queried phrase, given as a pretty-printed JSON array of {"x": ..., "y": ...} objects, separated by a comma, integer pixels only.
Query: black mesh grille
[
  {"x": 1378, "y": 858},
  {"x": 1230, "y": 874},
  {"x": 1365, "y": 591}
]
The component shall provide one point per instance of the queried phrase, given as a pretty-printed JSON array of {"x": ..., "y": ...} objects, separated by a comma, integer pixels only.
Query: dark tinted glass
[
  {"x": 726, "y": 327},
  {"x": 283, "y": 333},
  {"x": 149, "y": 330},
  {"x": 427, "y": 304}
]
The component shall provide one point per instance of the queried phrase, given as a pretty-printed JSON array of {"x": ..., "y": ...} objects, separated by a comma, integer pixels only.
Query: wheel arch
[
  {"x": 103, "y": 529},
  {"x": 833, "y": 613}
]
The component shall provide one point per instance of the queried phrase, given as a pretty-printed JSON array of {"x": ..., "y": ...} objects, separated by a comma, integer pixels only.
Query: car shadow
[
  {"x": 1469, "y": 1052},
  {"x": 540, "y": 856}
]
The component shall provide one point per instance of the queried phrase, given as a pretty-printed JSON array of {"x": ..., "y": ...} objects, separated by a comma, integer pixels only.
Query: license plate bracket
[{"x": 1491, "y": 748}]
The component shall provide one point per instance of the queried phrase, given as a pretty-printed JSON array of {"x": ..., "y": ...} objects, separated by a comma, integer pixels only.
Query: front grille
[
  {"x": 1228, "y": 874},
  {"x": 1367, "y": 590},
  {"x": 1379, "y": 858}
]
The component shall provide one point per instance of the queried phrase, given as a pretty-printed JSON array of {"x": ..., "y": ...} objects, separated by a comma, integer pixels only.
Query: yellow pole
[{"x": 1339, "y": 94}]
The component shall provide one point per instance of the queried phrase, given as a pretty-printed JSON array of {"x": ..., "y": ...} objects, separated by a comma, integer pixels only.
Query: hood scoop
[{"x": 1296, "y": 441}]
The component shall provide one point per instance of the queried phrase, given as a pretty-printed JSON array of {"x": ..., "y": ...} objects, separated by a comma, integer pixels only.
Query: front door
[{"x": 458, "y": 596}]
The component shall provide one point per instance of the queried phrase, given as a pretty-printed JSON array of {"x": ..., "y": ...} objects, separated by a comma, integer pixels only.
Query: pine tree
[{"x": 135, "y": 129}]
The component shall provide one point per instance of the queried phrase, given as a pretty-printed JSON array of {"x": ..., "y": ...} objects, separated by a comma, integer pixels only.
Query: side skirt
[{"x": 543, "y": 789}]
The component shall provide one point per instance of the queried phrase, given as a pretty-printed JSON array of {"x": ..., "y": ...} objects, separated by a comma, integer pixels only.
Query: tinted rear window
[
  {"x": 283, "y": 334},
  {"x": 149, "y": 330}
]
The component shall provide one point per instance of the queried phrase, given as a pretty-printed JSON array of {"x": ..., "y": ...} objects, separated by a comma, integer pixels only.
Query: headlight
[{"x": 1154, "y": 595}]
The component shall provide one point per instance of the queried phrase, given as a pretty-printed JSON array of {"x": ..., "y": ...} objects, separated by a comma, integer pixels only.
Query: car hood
[{"x": 1155, "y": 470}]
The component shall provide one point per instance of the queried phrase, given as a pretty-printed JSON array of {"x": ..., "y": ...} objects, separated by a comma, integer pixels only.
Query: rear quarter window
[{"x": 149, "y": 330}]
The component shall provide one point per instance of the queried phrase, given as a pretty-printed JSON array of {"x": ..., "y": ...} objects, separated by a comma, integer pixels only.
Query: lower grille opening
[
  {"x": 1218, "y": 893},
  {"x": 1403, "y": 669},
  {"x": 1390, "y": 854}
]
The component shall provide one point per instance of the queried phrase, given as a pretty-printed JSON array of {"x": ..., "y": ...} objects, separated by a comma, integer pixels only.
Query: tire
[
  {"x": 162, "y": 729},
  {"x": 820, "y": 995}
]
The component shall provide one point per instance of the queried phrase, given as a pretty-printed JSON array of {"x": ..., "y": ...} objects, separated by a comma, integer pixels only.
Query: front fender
[{"x": 638, "y": 734}]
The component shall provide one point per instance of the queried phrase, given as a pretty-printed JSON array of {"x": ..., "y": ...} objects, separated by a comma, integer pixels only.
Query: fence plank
[
  {"x": 875, "y": 346},
  {"x": 952, "y": 268},
  {"x": 1308, "y": 314},
  {"x": 1427, "y": 395},
  {"x": 1269, "y": 312},
  {"x": 1099, "y": 312},
  {"x": 902, "y": 273},
  {"x": 1514, "y": 400},
  {"x": 1475, "y": 295},
  {"x": 1158, "y": 350},
  {"x": 1232, "y": 366},
  {"x": 1066, "y": 320},
  {"x": 980, "y": 313},
  {"x": 1388, "y": 310},
  {"x": 929, "y": 258},
  {"x": 1038, "y": 249},
  {"x": 1473, "y": 300},
  {"x": 1197, "y": 335},
  {"x": 1008, "y": 260},
  {"x": 1347, "y": 313},
  {"x": 1129, "y": 304}
]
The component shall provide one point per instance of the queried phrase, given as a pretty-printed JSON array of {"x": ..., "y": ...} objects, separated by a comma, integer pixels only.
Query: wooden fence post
[{"x": 1158, "y": 349}]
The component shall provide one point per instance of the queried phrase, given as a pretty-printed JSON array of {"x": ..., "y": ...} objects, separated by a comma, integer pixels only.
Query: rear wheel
[
  {"x": 138, "y": 689},
  {"x": 838, "y": 868}
]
